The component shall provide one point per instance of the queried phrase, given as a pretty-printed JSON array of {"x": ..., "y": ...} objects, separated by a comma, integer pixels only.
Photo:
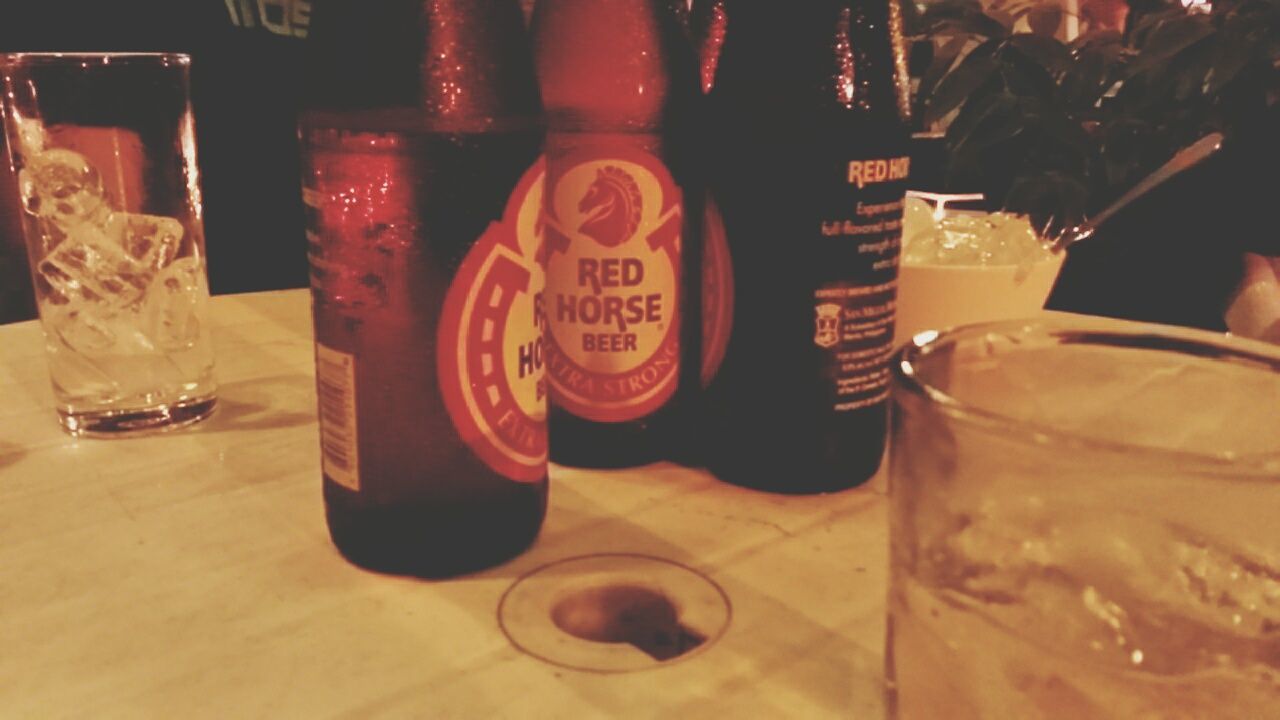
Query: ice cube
[
  {"x": 151, "y": 240},
  {"x": 89, "y": 266},
  {"x": 94, "y": 331},
  {"x": 962, "y": 239},
  {"x": 1122, "y": 589},
  {"x": 917, "y": 218},
  {"x": 82, "y": 331},
  {"x": 31, "y": 136},
  {"x": 176, "y": 301},
  {"x": 62, "y": 186},
  {"x": 968, "y": 238}
]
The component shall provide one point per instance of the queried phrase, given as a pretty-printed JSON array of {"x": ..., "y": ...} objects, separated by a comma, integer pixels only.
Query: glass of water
[
  {"x": 103, "y": 146},
  {"x": 1084, "y": 524}
]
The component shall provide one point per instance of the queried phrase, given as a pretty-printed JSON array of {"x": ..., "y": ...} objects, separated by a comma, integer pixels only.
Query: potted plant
[{"x": 1058, "y": 128}]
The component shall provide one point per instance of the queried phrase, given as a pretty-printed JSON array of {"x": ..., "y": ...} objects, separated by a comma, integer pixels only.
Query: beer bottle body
[
  {"x": 808, "y": 167},
  {"x": 619, "y": 80},
  {"x": 422, "y": 213}
]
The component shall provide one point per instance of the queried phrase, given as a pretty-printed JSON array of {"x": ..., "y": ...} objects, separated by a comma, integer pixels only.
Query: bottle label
[
  {"x": 853, "y": 321},
  {"x": 490, "y": 350},
  {"x": 613, "y": 263},
  {"x": 336, "y": 388}
]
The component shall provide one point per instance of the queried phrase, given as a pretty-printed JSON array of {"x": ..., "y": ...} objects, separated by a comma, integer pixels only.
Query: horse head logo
[{"x": 611, "y": 207}]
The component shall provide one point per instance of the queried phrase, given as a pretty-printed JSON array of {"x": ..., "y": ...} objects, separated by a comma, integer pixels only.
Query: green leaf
[
  {"x": 1192, "y": 68},
  {"x": 1085, "y": 81},
  {"x": 991, "y": 107},
  {"x": 1126, "y": 141},
  {"x": 1169, "y": 39},
  {"x": 1052, "y": 55},
  {"x": 1096, "y": 38},
  {"x": 998, "y": 130},
  {"x": 960, "y": 17},
  {"x": 973, "y": 71},
  {"x": 943, "y": 58},
  {"x": 1150, "y": 22},
  {"x": 1066, "y": 131},
  {"x": 1022, "y": 75},
  {"x": 1049, "y": 195},
  {"x": 1229, "y": 58}
]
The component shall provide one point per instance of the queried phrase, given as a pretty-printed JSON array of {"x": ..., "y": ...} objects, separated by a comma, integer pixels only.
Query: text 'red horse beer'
[
  {"x": 617, "y": 79},
  {"x": 423, "y": 183}
]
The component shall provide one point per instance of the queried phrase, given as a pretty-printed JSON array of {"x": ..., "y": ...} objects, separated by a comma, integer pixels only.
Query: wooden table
[{"x": 190, "y": 575}]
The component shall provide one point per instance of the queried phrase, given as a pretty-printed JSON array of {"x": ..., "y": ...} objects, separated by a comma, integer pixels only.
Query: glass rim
[
  {"x": 1098, "y": 332},
  {"x": 44, "y": 57}
]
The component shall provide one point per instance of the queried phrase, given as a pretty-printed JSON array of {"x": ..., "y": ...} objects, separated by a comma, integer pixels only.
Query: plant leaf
[
  {"x": 1167, "y": 40},
  {"x": 985, "y": 108},
  {"x": 974, "y": 70},
  {"x": 1150, "y": 22},
  {"x": 1022, "y": 75},
  {"x": 1051, "y": 54},
  {"x": 1066, "y": 131},
  {"x": 960, "y": 16},
  {"x": 1229, "y": 58},
  {"x": 943, "y": 58},
  {"x": 1045, "y": 195},
  {"x": 1096, "y": 38},
  {"x": 1082, "y": 85},
  {"x": 1192, "y": 68}
]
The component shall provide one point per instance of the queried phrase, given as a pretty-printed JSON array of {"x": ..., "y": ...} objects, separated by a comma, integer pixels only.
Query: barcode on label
[{"x": 336, "y": 387}]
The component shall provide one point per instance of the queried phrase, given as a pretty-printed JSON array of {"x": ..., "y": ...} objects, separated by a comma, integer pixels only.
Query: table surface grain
[{"x": 191, "y": 575}]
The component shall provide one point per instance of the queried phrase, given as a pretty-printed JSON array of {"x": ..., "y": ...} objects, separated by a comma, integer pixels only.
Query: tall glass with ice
[
  {"x": 1085, "y": 523},
  {"x": 104, "y": 150}
]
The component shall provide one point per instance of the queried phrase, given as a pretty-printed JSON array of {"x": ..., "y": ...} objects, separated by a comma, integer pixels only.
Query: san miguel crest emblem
[
  {"x": 827, "y": 334},
  {"x": 613, "y": 263},
  {"x": 490, "y": 350}
]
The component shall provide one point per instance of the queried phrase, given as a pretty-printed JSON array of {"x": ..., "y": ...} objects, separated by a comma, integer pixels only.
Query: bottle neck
[
  {"x": 823, "y": 56},
  {"x": 459, "y": 62},
  {"x": 617, "y": 65},
  {"x": 476, "y": 60}
]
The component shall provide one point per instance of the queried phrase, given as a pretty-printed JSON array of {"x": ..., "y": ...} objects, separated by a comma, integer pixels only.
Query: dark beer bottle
[
  {"x": 623, "y": 208},
  {"x": 808, "y": 164},
  {"x": 421, "y": 148}
]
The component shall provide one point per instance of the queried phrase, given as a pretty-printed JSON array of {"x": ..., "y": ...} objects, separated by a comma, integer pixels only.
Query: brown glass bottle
[
  {"x": 420, "y": 150},
  {"x": 623, "y": 203},
  {"x": 808, "y": 146}
]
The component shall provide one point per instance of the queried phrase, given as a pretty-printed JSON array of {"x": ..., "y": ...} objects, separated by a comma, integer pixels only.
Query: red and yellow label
[
  {"x": 613, "y": 264},
  {"x": 490, "y": 353}
]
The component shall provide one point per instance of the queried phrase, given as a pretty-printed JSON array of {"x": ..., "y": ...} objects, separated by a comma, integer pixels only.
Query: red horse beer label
[
  {"x": 613, "y": 275},
  {"x": 490, "y": 353}
]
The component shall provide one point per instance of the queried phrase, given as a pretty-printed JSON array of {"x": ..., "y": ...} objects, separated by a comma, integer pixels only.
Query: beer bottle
[
  {"x": 708, "y": 22},
  {"x": 622, "y": 211},
  {"x": 421, "y": 147},
  {"x": 808, "y": 164}
]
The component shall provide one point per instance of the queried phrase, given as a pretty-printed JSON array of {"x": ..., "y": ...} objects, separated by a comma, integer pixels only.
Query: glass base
[{"x": 135, "y": 422}]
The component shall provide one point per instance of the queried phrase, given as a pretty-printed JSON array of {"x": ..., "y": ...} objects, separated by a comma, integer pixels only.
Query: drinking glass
[
  {"x": 1084, "y": 524},
  {"x": 103, "y": 146}
]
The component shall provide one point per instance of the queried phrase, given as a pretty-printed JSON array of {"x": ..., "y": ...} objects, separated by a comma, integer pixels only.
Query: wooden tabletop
[{"x": 191, "y": 575}]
